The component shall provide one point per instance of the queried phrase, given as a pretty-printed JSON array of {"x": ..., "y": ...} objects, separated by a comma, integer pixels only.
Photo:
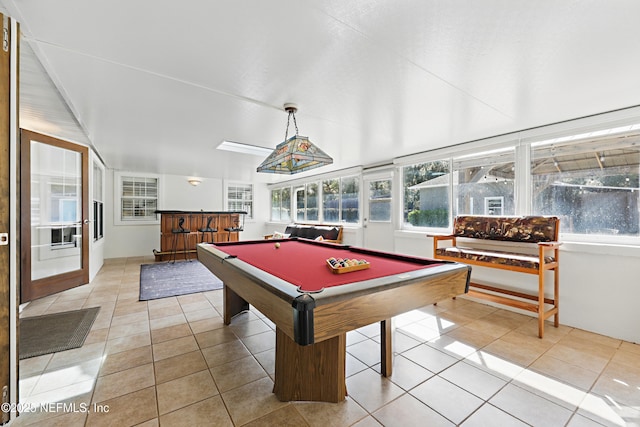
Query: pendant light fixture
[{"x": 295, "y": 154}]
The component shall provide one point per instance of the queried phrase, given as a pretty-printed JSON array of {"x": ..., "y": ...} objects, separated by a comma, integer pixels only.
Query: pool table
[{"x": 313, "y": 308}]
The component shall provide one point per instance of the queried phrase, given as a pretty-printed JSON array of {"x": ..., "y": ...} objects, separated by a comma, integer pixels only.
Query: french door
[
  {"x": 378, "y": 218},
  {"x": 55, "y": 212}
]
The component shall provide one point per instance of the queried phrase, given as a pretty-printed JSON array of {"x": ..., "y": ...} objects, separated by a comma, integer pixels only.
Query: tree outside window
[{"x": 426, "y": 194}]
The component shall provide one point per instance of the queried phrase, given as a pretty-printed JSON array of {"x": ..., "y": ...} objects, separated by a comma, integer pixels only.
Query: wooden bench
[
  {"x": 539, "y": 254},
  {"x": 331, "y": 233}
]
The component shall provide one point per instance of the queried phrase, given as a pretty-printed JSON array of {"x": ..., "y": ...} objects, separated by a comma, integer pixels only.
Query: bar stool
[
  {"x": 185, "y": 237},
  {"x": 208, "y": 229},
  {"x": 236, "y": 227}
]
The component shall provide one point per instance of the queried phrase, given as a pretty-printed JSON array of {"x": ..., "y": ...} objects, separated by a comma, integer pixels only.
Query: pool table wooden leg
[
  {"x": 310, "y": 372},
  {"x": 233, "y": 304},
  {"x": 386, "y": 353}
]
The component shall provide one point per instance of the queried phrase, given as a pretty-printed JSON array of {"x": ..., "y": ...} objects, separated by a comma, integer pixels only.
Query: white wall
[{"x": 178, "y": 194}]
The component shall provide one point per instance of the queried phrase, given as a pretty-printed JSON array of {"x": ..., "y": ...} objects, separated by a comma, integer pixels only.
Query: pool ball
[{"x": 277, "y": 245}]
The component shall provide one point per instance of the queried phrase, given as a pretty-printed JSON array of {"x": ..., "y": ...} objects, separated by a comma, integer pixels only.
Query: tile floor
[{"x": 172, "y": 362}]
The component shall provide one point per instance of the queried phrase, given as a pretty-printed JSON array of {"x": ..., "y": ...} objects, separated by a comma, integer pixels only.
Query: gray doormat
[
  {"x": 165, "y": 279},
  {"x": 55, "y": 332}
]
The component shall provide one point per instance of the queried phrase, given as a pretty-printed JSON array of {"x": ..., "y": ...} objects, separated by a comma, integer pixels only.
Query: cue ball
[{"x": 277, "y": 245}]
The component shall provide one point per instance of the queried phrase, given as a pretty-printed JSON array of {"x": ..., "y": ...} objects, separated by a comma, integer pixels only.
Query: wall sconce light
[{"x": 194, "y": 181}]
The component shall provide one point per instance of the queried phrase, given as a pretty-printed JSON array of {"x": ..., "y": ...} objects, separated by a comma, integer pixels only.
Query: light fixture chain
[
  {"x": 295, "y": 123},
  {"x": 286, "y": 132}
]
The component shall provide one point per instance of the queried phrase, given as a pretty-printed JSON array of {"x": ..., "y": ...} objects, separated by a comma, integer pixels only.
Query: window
[
  {"x": 138, "y": 196},
  {"x": 591, "y": 184},
  {"x": 276, "y": 204},
  {"x": 240, "y": 198},
  {"x": 281, "y": 204},
  {"x": 331, "y": 200},
  {"x": 426, "y": 194},
  {"x": 349, "y": 200},
  {"x": 285, "y": 212},
  {"x": 493, "y": 206},
  {"x": 306, "y": 198},
  {"x": 380, "y": 200},
  {"x": 488, "y": 176},
  {"x": 98, "y": 203},
  {"x": 301, "y": 203},
  {"x": 338, "y": 202},
  {"x": 312, "y": 202},
  {"x": 340, "y": 199}
]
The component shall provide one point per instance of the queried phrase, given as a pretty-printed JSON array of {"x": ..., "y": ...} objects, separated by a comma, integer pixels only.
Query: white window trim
[
  {"x": 225, "y": 196},
  {"x": 319, "y": 179},
  {"x": 117, "y": 188},
  {"x": 489, "y": 199}
]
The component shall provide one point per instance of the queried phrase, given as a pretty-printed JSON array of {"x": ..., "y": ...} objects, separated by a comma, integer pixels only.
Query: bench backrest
[
  {"x": 531, "y": 229},
  {"x": 313, "y": 231}
]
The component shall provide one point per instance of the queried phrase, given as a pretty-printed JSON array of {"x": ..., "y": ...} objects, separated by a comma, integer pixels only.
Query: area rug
[
  {"x": 55, "y": 332},
  {"x": 165, "y": 279}
]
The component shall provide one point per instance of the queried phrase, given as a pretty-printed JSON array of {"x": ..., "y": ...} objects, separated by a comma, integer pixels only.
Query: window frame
[
  {"x": 227, "y": 200},
  {"x": 522, "y": 142},
  {"x": 487, "y": 202},
  {"x": 119, "y": 177},
  {"x": 575, "y": 141},
  {"x": 318, "y": 181}
]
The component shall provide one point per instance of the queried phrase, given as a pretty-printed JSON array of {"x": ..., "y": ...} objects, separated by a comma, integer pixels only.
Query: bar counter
[{"x": 193, "y": 221}]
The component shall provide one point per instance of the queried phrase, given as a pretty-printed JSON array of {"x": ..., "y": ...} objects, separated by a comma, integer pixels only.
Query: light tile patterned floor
[{"x": 172, "y": 362}]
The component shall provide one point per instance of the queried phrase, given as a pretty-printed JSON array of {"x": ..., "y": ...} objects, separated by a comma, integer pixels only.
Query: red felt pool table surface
[{"x": 304, "y": 263}]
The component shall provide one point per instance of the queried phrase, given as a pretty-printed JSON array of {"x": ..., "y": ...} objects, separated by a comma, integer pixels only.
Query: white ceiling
[{"x": 157, "y": 85}]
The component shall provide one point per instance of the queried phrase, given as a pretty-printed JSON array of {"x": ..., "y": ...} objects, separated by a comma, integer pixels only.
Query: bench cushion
[
  {"x": 495, "y": 257},
  {"x": 532, "y": 229}
]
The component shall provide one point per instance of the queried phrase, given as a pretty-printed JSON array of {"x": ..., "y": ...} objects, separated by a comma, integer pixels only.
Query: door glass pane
[
  {"x": 56, "y": 210},
  {"x": 380, "y": 200}
]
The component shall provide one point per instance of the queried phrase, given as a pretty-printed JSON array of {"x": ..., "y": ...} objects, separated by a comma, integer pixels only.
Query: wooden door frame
[
  {"x": 32, "y": 289},
  {"x": 9, "y": 216}
]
